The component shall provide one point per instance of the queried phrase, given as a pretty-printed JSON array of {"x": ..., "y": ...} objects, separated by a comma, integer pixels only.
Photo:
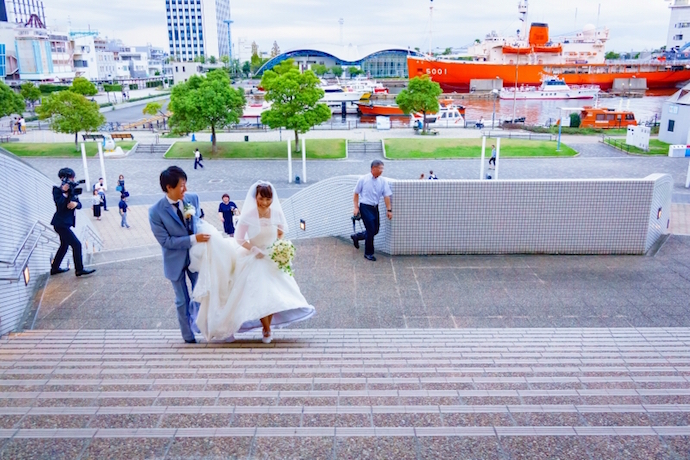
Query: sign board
[
  {"x": 638, "y": 136},
  {"x": 383, "y": 122}
]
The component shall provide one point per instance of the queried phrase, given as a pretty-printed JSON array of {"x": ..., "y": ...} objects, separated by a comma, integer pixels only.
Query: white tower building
[
  {"x": 197, "y": 28},
  {"x": 19, "y": 11},
  {"x": 679, "y": 27}
]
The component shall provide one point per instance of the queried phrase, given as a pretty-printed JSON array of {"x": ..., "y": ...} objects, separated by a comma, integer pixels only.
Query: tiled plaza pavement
[
  {"x": 407, "y": 292},
  {"x": 348, "y": 394}
]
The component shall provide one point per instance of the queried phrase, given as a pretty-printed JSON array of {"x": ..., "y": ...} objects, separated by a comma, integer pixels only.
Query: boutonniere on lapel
[{"x": 188, "y": 212}]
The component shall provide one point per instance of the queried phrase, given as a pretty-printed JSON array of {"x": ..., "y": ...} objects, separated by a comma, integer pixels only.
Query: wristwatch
[{"x": 389, "y": 210}]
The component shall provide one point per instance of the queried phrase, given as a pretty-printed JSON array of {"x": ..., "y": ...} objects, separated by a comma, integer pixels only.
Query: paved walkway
[{"x": 130, "y": 292}]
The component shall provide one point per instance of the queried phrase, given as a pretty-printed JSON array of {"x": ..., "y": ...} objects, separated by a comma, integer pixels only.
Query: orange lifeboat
[
  {"x": 554, "y": 48},
  {"x": 601, "y": 117},
  {"x": 516, "y": 49}
]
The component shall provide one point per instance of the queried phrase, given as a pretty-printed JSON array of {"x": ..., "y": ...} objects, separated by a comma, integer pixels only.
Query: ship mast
[
  {"x": 431, "y": 28},
  {"x": 522, "y": 10}
]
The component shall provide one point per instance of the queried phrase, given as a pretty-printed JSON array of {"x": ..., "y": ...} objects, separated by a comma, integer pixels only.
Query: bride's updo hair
[{"x": 264, "y": 190}]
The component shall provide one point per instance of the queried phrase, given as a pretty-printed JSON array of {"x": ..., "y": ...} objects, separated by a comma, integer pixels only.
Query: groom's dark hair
[{"x": 171, "y": 177}]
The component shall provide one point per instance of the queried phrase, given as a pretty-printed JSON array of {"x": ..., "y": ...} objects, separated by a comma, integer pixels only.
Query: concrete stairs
[
  {"x": 152, "y": 150},
  {"x": 364, "y": 150},
  {"x": 345, "y": 394}
]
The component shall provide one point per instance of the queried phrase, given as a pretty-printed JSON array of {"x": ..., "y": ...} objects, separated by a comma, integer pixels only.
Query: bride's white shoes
[{"x": 267, "y": 338}]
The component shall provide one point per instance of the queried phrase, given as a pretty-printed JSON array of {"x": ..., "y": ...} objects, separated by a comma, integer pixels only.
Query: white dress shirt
[{"x": 371, "y": 189}]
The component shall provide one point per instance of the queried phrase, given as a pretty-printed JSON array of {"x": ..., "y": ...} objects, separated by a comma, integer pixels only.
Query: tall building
[
  {"x": 679, "y": 27},
  {"x": 20, "y": 11},
  {"x": 197, "y": 28}
]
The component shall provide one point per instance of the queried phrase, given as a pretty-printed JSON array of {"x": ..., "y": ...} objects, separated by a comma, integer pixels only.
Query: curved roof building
[{"x": 375, "y": 60}]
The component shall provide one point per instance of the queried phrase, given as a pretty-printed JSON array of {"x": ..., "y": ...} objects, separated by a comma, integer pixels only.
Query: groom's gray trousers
[{"x": 183, "y": 303}]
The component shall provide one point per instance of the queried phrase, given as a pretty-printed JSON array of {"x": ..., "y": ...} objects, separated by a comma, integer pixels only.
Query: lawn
[
  {"x": 317, "y": 149},
  {"x": 472, "y": 148},
  {"x": 57, "y": 150},
  {"x": 656, "y": 147}
]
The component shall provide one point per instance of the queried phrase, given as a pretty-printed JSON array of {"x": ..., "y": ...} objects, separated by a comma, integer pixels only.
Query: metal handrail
[
  {"x": 93, "y": 234},
  {"x": 18, "y": 274},
  {"x": 26, "y": 238}
]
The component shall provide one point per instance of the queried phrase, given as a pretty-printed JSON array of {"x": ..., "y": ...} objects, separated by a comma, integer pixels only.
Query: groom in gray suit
[{"x": 173, "y": 222}]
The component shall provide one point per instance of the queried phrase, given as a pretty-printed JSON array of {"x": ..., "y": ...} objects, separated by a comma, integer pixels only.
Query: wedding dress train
[{"x": 235, "y": 288}]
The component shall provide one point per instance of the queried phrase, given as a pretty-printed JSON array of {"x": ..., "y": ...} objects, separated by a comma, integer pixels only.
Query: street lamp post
[{"x": 493, "y": 115}]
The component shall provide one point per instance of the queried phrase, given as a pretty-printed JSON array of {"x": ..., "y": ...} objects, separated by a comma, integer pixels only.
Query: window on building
[
  {"x": 671, "y": 125},
  {"x": 183, "y": 69},
  {"x": 678, "y": 37},
  {"x": 682, "y": 25}
]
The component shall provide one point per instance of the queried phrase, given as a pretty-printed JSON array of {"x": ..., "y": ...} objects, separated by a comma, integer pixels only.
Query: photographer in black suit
[{"x": 66, "y": 199}]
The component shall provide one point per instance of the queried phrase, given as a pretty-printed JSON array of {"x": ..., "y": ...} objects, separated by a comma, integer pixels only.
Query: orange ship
[{"x": 579, "y": 60}]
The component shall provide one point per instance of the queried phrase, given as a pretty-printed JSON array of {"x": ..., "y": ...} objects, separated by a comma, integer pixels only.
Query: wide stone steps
[{"x": 412, "y": 393}]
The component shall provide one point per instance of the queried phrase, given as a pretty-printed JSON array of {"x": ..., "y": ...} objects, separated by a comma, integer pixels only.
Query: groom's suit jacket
[{"x": 172, "y": 234}]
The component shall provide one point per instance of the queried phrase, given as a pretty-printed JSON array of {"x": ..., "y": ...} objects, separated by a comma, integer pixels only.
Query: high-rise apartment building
[
  {"x": 20, "y": 11},
  {"x": 197, "y": 28},
  {"x": 679, "y": 27}
]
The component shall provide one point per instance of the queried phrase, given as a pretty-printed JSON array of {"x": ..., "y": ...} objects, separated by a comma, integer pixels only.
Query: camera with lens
[{"x": 67, "y": 175}]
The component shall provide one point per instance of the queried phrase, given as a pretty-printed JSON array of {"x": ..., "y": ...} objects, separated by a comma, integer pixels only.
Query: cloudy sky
[{"x": 634, "y": 24}]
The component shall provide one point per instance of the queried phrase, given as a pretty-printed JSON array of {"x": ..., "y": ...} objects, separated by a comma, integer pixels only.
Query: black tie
[{"x": 181, "y": 216}]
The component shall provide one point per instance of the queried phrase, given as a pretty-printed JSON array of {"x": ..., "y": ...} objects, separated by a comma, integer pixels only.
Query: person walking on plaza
[
  {"x": 432, "y": 176},
  {"x": 198, "y": 159},
  {"x": 227, "y": 210},
  {"x": 121, "y": 184},
  {"x": 493, "y": 157},
  {"x": 367, "y": 195},
  {"x": 100, "y": 188},
  {"x": 123, "y": 209},
  {"x": 66, "y": 202},
  {"x": 421, "y": 176},
  {"x": 96, "y": 201}
]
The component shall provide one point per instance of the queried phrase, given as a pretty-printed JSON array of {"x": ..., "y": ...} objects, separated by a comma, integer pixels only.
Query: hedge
[
  {"x": 112, "y": 88},
  {"x": 133, "y": 86},
  {"x": 47, "y": 88}
]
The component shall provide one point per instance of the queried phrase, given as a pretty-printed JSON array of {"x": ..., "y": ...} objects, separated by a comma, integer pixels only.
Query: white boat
[
  {"x": 551, "y": 88},
  {"x": 254, "y": 111},
  {"x": 448, "y": 117},
  {"x": 366, "y": 85},
  {"x": 336, "y": 94}
]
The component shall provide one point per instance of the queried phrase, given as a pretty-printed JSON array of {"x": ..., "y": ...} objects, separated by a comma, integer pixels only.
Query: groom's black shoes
[
  {"x": 190, "y": 341},
  {"x": 86, "y": 271},
  {"x": 368, "y": 257},
  {"x": 355, "y": 240},
  {"x": 58, "y": 271}
]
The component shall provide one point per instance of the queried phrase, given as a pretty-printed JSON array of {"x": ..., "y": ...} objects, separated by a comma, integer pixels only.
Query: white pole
[
  {"x": 687, "y": 181},
  {"x": 304, "y": 161},
  {"x": 481, "y": 168},
  {"x": 498, "y": 155},
  {"x": 289, "y": 162},
  {"x": 100, "y": 157},
  {"x": 86, "y": 167}
]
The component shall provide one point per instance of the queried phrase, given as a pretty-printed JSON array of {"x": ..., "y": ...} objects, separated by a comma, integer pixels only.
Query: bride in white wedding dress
[{"x": 239, "y": 287}]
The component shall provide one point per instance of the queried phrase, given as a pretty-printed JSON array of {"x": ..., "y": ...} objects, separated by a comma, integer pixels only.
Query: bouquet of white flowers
[{"x": 281, "y": 252}]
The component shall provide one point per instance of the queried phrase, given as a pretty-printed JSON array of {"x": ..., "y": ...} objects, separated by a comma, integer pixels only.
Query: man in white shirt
[
  {"x": 197, "y": 158},
  {"x": 367, "y": 195},
  {"x": 101, "y": 189}
]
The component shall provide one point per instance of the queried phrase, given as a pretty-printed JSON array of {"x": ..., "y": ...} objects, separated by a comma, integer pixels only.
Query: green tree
[
  {"x": 256, "y": 63},
  {"x": 246, "y": 68},
  {"x": 319, "y": 69},
  {"x": 30, "y": 93},
  {"x": 82, "y": 86},
  {"x": 337, "y": 71},
  {"x": 70, "y": 112},
  {"x": 225, "y": 60},
  {"x": 612, "y": 55},
  {"x": 205, "y": 101},
  {"x": 212, "y": 60},
  {"x": 575, "y": 120},
  {"x": 153, "y": 108},
  {"x": 354, "y": 71},
  {"x": 295, "y": 97},
  {"x": 421, "y": 95},
  {"x": 447, "y": 51},
  {"x": 10, "y": 101}
]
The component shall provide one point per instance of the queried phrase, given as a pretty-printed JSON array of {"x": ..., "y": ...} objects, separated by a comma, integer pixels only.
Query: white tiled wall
[{"x": 497, "y": 217}]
